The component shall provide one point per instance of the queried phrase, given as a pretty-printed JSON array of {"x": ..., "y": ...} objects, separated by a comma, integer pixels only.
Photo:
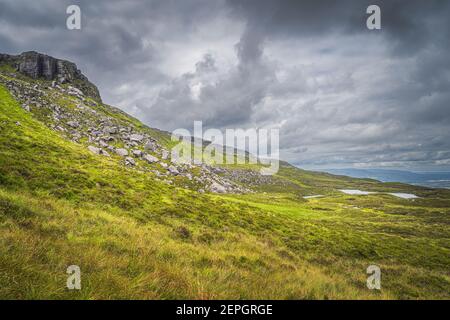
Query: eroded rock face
[{"x": 36, "y": 65}]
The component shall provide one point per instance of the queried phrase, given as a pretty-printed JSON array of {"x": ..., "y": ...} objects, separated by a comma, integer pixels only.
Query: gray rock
[
  {"x": 136, "y": 137},
  {"x": 105, "y": 153},
  {"x": 75, "y": 91},
  {"x": 110, "y": 130},
  {"x": 122, "y": 152},
  {"x": 165, "y": 155},
  {"x": 94, "y": 149},
  {"x": 174, "y": 171},
  {"x": 137, "y": 153},
  {"x": 130, "y": 161},
  {"x": 73, "y": 124},
  {"x": 218, "y": 188},
  {"x": 150, "y": 146},
  {"x": 36, "y": 65},
  {"x": 150, "y": 159}
]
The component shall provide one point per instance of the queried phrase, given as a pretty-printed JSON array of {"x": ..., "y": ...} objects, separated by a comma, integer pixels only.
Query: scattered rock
[
  {"x": 164, "y": 165},
  {"x": 150, "y": 146},
  {"x": 122, "y": 152},
  {"x": 137, "y": 153},
  {"x": 103, "y": 144},
  {"x": 73, "y": 124},
  {"x": 174, "y": 171},
  {"x": 110, "y": 130},
  {"x": 165, "y": 155},
  {"x": 136, "y": 137},
  {"x": 105, "y": 153},
  {"x": 94, "y": 149},
  {"x": 150, "y": 159},
  {"x": 218, "y": 188},
  {"x": 130, "y": 161}
]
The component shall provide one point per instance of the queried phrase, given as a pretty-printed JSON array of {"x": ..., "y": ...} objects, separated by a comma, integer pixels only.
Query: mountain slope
[{"x": 139, "y": 231}]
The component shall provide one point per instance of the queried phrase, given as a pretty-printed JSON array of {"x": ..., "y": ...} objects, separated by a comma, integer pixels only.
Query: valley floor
[{"x": 264, "y": 247}]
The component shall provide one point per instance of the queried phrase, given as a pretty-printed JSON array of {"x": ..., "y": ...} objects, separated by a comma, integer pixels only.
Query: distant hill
[{"x": 427, "y": 179}]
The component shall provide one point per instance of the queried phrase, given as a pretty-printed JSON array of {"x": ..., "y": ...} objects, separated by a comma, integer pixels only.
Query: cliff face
[{"x": 36, "y": 65}]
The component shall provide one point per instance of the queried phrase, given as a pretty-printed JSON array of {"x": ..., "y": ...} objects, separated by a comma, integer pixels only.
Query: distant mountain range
[{"x": 427, "y": 179}]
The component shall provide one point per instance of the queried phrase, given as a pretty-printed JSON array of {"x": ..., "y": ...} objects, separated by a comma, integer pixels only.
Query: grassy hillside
[{"x": 134, "y": 236}]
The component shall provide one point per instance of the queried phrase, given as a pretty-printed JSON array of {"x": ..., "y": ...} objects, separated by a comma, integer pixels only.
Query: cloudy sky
[{"x": 341, "y": 95}]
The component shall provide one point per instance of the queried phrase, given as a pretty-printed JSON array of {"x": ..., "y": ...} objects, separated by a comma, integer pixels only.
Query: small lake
[
  {"x": 355, "y": 192},
  {"x": 312, "y": 197},
  {"x": 395, "y": 194},
  {"x": 404, "y": 195}
]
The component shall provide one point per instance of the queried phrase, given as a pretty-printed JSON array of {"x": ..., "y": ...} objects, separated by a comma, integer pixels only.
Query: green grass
[{"x": 136, "y": 237}]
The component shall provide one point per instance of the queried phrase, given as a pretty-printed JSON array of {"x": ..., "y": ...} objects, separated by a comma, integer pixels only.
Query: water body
[
  {"x": 355, "y": 192},
  {"x": 404, "y": 195},
  {"x": 314, "y": 196},
  {"x": 395, "y": 194}
]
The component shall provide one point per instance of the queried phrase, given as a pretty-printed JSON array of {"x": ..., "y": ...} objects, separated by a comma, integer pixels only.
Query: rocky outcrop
[
  {"x": 65, "y": 110},
  {"x": 40, "y": 66}
]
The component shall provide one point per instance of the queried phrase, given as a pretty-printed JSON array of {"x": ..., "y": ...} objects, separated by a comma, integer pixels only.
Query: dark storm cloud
[
  {"x": 340, "y": 93},
  {"x": 405, "y": 22},
  {"x": 411, "y": 104}
]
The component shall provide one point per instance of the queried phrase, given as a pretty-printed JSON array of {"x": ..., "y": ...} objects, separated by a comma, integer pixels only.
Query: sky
[{"x": 341, "y": 95}]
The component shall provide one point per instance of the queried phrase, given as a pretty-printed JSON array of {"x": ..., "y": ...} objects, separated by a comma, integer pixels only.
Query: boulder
[
  {"x": 110, "y": 130},
  {"x": 174, "y": 171},
  {"x": 136, "y": 137},
  {"x": 217, "y": 188},
  {"x": 73, "y": 124},
  {"x": 150, "y": 146},
  {"x": 105, "y": 153},
  {"x": 103, "y": 144},
  {"x": 75, "y": 91},
  {"x": 94, "y": 149},
  {"x": 150, "y": 159},
  {"x": 122, "y": 152},
  {"x": 130, "y": 161},
  {"x": 137, "y": 153}
]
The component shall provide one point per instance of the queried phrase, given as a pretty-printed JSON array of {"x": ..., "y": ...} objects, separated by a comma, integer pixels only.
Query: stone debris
[
  {"x": 136, "y": 137},
  {"x": 150, "y": 159},
  {"x": 137, "y": 153},
  {"x": 129, "y": 161},
  {"x": 122, "y": 152}
]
